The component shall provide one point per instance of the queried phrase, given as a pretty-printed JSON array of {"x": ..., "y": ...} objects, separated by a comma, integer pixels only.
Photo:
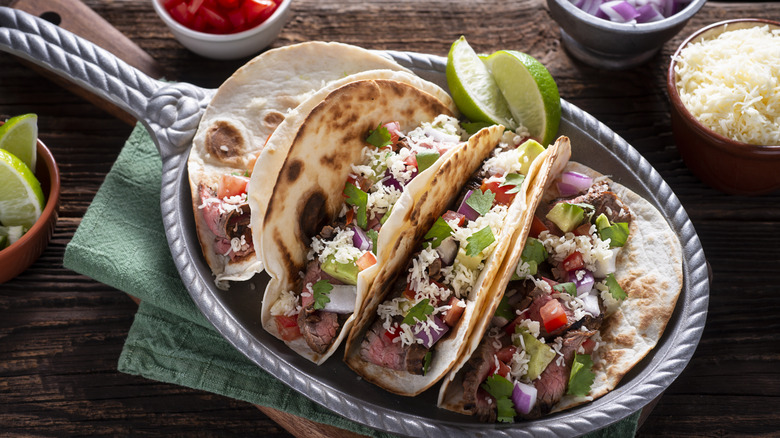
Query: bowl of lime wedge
[{"x": 29, "y": 195}]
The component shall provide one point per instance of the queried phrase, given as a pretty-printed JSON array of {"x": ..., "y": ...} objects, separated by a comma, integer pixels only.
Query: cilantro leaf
[
  {"x": 373, "y": 235},
  {"x": 615, "y": 290},
  {"x": 481, "y": 202},
  {"x": 533, "y": 254},
  {"x": 438, "y": 232},
  {"x": 501, "y": 389},
  {"x": 379, "y": 137},
  {"x": 321, "y": 293},
  {"x": 419, "y": 312},
  {"x": 426, "y": 363},
  {"x": 617, "y": 234},
  {"x": 568, "y": 287},
  {"x": 425, "y": 159},
  {"x": 513, "y": 179},
  {"x": 581, "y": 376},
  {"x": 480, "y": 240},
  {"x": 359, "y": 199}
]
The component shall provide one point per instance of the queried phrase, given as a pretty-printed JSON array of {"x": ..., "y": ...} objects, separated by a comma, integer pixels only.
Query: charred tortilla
[{"x": 648, "y": 268}]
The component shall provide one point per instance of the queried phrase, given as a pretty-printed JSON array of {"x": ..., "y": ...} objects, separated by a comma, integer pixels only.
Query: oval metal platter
[{"x": 171, "y": 113}]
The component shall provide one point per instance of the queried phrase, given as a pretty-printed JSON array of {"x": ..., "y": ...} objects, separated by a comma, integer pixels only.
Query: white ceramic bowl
[{"x": 228, "y": 46}]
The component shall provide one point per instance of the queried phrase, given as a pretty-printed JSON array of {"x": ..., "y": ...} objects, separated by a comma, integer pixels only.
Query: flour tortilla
[
  {"x": 246, "y": 109},
  {"x": 446, "y": 187},
  {"x": 318, "y": 153},
  {"x": 649, "y": 269}
]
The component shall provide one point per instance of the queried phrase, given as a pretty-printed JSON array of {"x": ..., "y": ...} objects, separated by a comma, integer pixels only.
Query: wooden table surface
[{"x": 61, "y": 333}]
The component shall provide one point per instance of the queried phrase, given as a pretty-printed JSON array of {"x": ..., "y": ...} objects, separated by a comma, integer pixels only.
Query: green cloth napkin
[{"x": 121, "y": 242}]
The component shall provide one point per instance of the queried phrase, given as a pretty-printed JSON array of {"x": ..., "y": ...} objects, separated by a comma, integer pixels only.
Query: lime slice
[
  {"x": 9, "y": 235},
  {"x": 473, "y": 89},
  {"x": 530, "y": 92},
  {"x": 19, "y": 136},
  {"x": 21, "y": 197}
]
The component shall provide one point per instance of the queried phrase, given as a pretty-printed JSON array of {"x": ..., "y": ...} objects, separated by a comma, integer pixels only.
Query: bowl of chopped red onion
[{"x": 619, "y": 34}]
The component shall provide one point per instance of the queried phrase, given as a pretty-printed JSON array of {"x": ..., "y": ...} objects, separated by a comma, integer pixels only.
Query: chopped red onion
[
  {"x": 631, "y": 11},
  {"x": 435, "y": 333},
  {"x": 466, "y": 209},
  {"x": 572, "y": 183},
  {"x": 360, "y": 239},
  {"x": 524, "y": 397},
  {"x": 584, "y": 284},
  {"x": 389, "y": 181},
  {"x": 448, "y": 251},
  {"x": 342, "y": 299}
]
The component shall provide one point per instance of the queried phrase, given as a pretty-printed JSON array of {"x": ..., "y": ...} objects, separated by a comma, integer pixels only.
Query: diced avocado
[
  {"x": 471, "y": 262},
  {"x": 602, "y": 222},
  {"x": 540, "y": 354},
  {"x": 617, "y": 234},
  {"x": 533, "y": 254},
  {"x": 566, "y": 216},
  {"x": 346, "y": 272},
  {"x": 528, "y": 152}
]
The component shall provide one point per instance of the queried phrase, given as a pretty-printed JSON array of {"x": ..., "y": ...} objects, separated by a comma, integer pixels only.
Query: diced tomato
[
  {"x": 450, "y": 216},
  {"x": 218, "y": 22},
  {"x": 502, "y": 369},
  {"x": 392, "y": 333},
  {"x": 231, "y": 185},
  {"x": 288, "y": 327},
  {"x": 502, "y": 197},
  {"x": 573, "y": 262},
  {"x": 182, "y": 14},
  {"x": 366, "y": 261},
  {"x": 453, "y": 314},
  {"x": 228, "y": 4},
  {"x": 394, "y": 128},
  {"x": 195, "y": 6},
  {"x": 553, "y": 315},
  {"x": 257, "y": 11},
  {"x": 505, "y": 354},
  {"x": 510, "y": 328},
  {"x": 411, "y": 160},
  {"x": 537, "y": 226},
  {"x": 237, "y": 19},
  {"x": 251, "y": 165},
  {"x": 588, "y": 345}
]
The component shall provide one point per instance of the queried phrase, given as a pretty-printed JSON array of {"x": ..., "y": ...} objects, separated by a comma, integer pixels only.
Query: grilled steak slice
[
  {"x": 604, "y": 201},
  {"x": 415, "y": 358},
  {"x": 378, "y": 349},
  {"x": 476, "y": 370},
  {"x": 551, "y": 384},
  {"x": 319, "y": 328}
]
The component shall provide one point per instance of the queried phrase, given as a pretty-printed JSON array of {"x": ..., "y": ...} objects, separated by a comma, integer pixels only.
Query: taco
[
  {"x": 354, "y": 171},
  {"x": 422, "y": 308},
  {"x": 586, "y": 293},
  {"x": 245, "y": 110}
]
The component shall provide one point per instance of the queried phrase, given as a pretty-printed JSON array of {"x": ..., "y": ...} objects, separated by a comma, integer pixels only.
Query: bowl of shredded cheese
[{"x": 724, "y": 87}]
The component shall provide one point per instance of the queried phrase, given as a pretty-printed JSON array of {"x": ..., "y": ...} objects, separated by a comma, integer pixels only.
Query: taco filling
[
  {"x": 226, "y": 213},
  {"x": 544, "y": 337},
  {"x": 427, "y": 303},
  {"x": 344, "y": 248}
]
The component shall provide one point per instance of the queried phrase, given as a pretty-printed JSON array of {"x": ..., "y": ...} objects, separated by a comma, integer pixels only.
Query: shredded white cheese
[
  {"x": 730, "y": 84},
  {"x": 286, "y": 304},
  {"x": 341, "y": 247}
]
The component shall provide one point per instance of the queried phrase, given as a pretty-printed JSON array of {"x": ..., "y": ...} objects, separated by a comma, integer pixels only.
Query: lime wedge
[
  {"x": 9, "y": 235},
  {"x": 21, "y": 197},
  {"x": 473, "y": 89},
  {"x": 19, "y": 136},
  {"x": 530, "y": 92}
]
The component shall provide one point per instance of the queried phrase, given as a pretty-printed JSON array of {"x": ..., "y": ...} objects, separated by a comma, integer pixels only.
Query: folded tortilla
[
  {"x": 245, "y": 110},
  {"x": 648, "y": 268},
  {"x": 453, "y": 175},
  {"x": 319, "y": 147}
]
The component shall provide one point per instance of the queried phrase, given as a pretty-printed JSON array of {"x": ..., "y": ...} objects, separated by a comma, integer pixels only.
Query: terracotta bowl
[
  {"x": 25, "y": 251},
  {"x": 722, "y": 163}
]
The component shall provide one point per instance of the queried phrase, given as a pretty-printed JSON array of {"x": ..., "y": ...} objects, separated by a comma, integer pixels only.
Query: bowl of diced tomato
[{"x": 224, "y": 29}]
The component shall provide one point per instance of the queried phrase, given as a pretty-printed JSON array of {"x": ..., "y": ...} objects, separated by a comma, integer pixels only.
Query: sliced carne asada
[{"x": 551, "y": 385}]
